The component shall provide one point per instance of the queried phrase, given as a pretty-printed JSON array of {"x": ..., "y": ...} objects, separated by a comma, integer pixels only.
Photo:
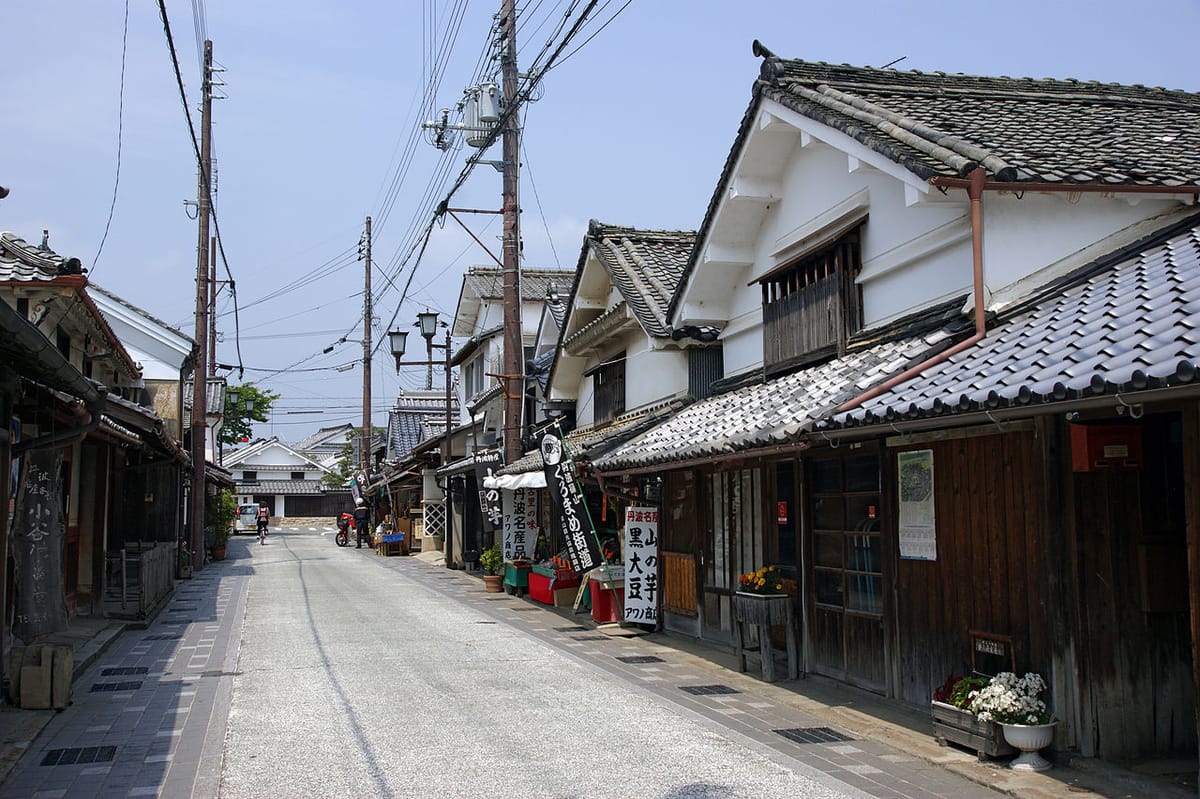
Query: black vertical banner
[
  {"x": 486, "y": 465},
  {"x": 38, "y": 537},
  {"x": 576, "y": 525}
]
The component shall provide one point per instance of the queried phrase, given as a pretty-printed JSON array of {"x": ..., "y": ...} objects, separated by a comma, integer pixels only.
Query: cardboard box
[{"x": 565, "y": 597}]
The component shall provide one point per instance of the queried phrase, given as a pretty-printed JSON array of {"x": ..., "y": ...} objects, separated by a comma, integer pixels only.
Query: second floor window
[
  {"x": 250, "y": 477},
  {"x": 473, "y": 377},
  {"x": 297, "y": 475},
  {"x": 608, "y": 385},
  {"x": 812, "y": 305}
]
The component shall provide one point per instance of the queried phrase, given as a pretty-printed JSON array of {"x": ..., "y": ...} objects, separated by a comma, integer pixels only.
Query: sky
[{"x": 319, "y": 127}]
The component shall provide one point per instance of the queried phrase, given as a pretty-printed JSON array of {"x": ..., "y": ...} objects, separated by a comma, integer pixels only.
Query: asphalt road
[{"x": 364, "y": 676}]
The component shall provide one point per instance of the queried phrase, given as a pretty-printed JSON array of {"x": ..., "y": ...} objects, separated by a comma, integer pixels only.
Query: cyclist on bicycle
[{"x": 263, "y": 515}]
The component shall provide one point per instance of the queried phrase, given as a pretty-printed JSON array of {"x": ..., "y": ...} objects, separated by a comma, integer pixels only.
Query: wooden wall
[{"x": 990, "y": 548}]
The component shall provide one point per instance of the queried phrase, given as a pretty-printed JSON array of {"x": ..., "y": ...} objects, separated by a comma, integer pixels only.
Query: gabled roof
[
  {"x": 325, "y": 438},
  {"x": 644, "y": 265},
  {"x": 262, "y": 445},
  {"x": 483, "y": 284},
  {"x": 937, "y": 125},
  {"x": 21, "y": 262},
  {"x": 1018, "y": 129},
  {"x": 1127, "y": 323},
  {"x": 416, "y": 417}
]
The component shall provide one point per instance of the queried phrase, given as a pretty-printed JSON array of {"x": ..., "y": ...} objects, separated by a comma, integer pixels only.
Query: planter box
[{"x": 951, "y": 725}]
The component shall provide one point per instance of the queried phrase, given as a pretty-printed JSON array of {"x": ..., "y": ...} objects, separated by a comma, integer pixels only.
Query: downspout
[
  {"x": 976, "y": 183},
  {"x": 974, "y": 186}
]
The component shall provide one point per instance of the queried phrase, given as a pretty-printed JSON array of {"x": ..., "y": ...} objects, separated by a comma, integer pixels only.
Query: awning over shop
[
  {"x": 766, "y": 415},
  {"x": 587, "y": 443}
]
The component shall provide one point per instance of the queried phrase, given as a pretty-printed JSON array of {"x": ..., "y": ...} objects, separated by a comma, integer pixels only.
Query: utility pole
[
  {"x": 212, "y": 307},
  {"x": 200, "y": 368},
  {"x": 366, "y": 423},
  {"x": 514, "y": 347}
]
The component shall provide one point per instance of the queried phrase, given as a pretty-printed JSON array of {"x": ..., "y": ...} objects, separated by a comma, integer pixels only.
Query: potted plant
[
  {"x": 762, "y": 581},
  {"x": 955, "y": 722},
  {"x": 491, "y": 560},
  {"x": 222, "y": 510},
  {"x": 1015, "y": 704}
]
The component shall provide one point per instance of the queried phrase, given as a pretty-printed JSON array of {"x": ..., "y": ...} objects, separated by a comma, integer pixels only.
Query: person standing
[{"x": 362, "y": 523}]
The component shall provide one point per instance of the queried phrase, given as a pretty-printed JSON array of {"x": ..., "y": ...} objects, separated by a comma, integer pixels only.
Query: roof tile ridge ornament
[
  {"x": 1000, "y": 169},
  {"x": 772, "y": 66}
]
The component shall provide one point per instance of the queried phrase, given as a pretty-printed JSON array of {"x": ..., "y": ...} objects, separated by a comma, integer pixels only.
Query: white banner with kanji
[
  {"x": 520, "y": 523},
  {"x": 641, "y": 565}
]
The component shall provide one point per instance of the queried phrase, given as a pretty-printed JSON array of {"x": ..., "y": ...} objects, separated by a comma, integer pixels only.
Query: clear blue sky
[{"x": 323, "y": 100}]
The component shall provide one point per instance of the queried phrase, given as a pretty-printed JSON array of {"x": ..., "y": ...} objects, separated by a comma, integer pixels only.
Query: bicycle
[{"x": 262, "y": 531}]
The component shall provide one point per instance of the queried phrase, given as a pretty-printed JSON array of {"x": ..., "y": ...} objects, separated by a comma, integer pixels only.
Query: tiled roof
[
  {"x": 324, "y": 439},
  {"x": 1129, "y": 321},
  {"x": 1022, "y": 129},
  {"x": 289, "y": 487},
  {"x": 767, "y": 414},
  {"x": 22, "y": 261},
  {"x": 488, "y": 281},
  {"x": 645, "y": 266},
  {"x": 590, "y": 442}
]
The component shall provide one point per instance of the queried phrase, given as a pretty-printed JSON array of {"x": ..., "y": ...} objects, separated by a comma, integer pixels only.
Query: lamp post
[{"x": 428, "y": 324}]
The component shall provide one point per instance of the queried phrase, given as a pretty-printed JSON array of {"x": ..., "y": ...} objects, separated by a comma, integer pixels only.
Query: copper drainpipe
[{"x": 975, "y": 184}]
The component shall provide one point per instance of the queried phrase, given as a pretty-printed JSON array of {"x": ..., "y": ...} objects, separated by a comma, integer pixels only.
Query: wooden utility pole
[
  {"x": 212, "y": 307},
  {"x": 514, "y": 347},
  {"x": 366, "y": 423},
  {"x": 200, "y": 368}
]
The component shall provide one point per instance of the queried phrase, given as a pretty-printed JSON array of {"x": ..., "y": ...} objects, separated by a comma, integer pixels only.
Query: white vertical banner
[
  {"x": 641, "y": 565},
  {"x": 520, "y": 523}
]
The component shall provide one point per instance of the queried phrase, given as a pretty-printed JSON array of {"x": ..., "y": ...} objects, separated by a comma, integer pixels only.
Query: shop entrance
[
  {"x": 845, "y": 570},
  {"x": 733, "y": 545}
]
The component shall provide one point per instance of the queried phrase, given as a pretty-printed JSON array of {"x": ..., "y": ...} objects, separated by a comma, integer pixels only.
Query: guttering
[
  {"x": 1120, "y": 403},
  {"x": 975, "y": 184},
  {"x": 1017, "y": 187}
]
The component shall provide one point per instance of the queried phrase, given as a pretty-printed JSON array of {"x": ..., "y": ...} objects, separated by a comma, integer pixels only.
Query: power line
[{"x": 120, "y": 135}]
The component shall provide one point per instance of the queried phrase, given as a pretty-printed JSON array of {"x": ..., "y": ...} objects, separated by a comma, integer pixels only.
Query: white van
[{"x": 247, "y": 519}]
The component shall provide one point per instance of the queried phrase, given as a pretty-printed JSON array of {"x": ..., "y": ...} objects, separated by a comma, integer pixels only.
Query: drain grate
[
  {"x": 127, "y": 685},
  {"x": 641, "y": 659},
  {"x": 163, "y": 637},
  {"x": 124, "y": 671},
  {"x": 79, "y": 754},
  {"x": 518, "y": 610},
  {"x": 575, "y": 629},
  {"x": 813, "y": 735},
  {"x": 182, "y": 609},
  {"x": 591, "y": 638},
  {"x": 708, "y": 690}
]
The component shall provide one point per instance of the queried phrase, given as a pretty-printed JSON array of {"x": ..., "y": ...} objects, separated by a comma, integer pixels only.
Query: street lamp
[{"x": 428, "y": 323}]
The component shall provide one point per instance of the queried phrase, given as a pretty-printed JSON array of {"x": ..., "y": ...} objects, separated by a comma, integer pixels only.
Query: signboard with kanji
[
  {"x": 582, "y": 550},
  {"x": 520, "y": 523},
  {"x": 641, "y": 565}
]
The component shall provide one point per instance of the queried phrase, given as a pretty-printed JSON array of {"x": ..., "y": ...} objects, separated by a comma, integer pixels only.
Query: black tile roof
[
  {"x": 1018, "y": 129},
  {"x": 645, "y": 266}
]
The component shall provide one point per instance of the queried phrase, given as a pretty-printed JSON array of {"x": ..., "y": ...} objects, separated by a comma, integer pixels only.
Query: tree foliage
[
  {"x": 346, "y": 462},
  {"x": 238, "y": 421}
]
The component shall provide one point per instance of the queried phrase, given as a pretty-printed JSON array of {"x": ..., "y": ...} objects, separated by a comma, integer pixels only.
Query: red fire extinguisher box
[{"x": 1098, "y": 447}]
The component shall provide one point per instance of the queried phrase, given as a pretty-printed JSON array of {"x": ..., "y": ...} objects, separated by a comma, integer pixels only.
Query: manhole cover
[
  {"x": 813, "y": 735},
  {"x": 708, "y": 690},
  {"x": 79, "y": 754},
  {"x": 127, "y": 685},
  {"x": 124, "y": 671}
]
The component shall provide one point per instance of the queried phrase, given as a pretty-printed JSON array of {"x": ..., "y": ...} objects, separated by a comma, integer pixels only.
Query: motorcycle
[{"x": 343, "y": 533}]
